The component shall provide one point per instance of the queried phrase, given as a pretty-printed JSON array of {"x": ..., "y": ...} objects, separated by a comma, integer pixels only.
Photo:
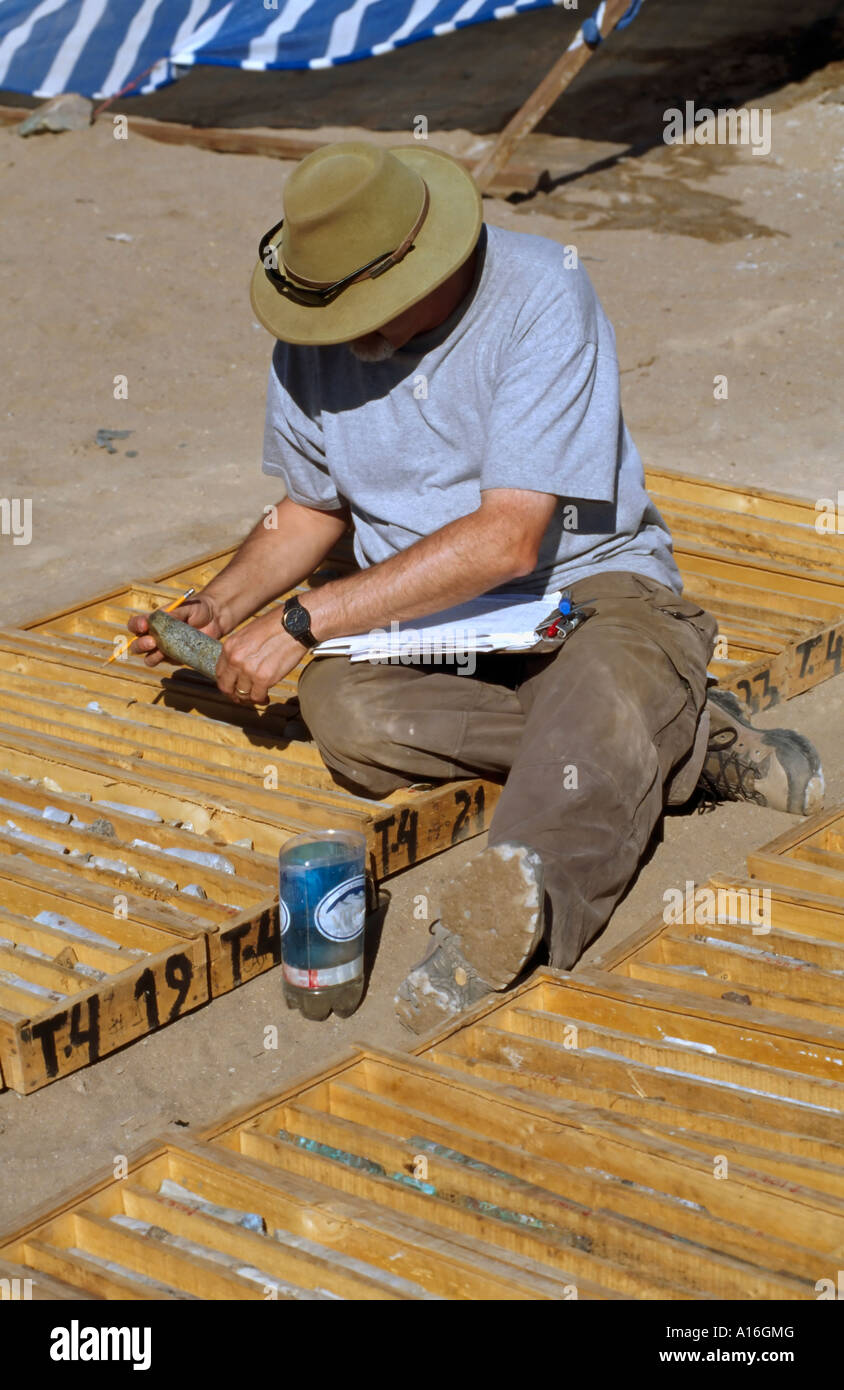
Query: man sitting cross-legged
[{"x": 451, "y": 391}]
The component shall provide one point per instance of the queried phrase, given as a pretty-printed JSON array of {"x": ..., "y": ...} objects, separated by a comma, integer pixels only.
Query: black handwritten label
[
  {"x": 45, "y": 1032},
  {"x": 834, "y": 654},
  {"x": 178, "y": 973},
  {"x": 820, "y": 656},
  {"x": 234, "y": 939},
  {"x": 269, "y": 936},
  {"x": 89, "y": 1036},
  {"x": 96, "y": 1023},
  {"x": 145, "y": 989},
  {"x": 763, "y": 697},
  {"x": 48, "y": 1030},
  {"x": 805, "y": 651},
  {"x": 468, "y": 822},
  {"x": 406, "y": 837},
  {"x": 253, "y": 946}
]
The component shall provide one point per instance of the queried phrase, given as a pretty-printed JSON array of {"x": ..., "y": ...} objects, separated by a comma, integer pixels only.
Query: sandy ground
[{"x": 710, "y": 261}]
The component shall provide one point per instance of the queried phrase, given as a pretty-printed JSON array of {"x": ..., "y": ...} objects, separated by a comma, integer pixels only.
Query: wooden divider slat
[
  {"x": 301, "y": 1267},
  {"x": 90, "y": 1281},
  {"x": 751, "y": 997},
  {"x": 611, "y": 1001},
  {"x": 18, "y": 1282},
  {"x": 756, "y": 538},
  {"x": 219, "y": 885},
  {"x": 41, "y": 651},
  {"x": 81, "y": 874},
  {"x": 741, "y": 500},
  {"x": 677, "y": 1056},
  {"x": 728, "y": 944},
  {"x": 126, "y": 746},
  {"x": 807, "y": 858},
  {"x": 129, "y": 826},
  {"x": 110, "y": 959},
  {"x": 772, "y": 969},
  {"x": 204, "y": 721},
  {"x": 280, "y": 805}
]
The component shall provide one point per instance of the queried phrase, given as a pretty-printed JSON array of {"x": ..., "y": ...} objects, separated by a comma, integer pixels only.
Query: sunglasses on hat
[{"x": 308, "y": 291}]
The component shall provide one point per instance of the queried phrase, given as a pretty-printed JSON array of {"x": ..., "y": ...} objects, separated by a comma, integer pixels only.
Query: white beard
[{"x": 372, "y": 348}]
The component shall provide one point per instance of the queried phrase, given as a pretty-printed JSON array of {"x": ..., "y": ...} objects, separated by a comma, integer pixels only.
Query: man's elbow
[
  {"x": 509, "y": 548},
  {"x": 518, "y": 560}
]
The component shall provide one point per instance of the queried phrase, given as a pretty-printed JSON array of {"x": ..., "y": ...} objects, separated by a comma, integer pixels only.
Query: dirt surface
[{"x": 709, "y": 260}]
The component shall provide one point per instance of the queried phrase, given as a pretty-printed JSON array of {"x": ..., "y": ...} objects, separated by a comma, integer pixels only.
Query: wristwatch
[{"x": 297, "y": 621}]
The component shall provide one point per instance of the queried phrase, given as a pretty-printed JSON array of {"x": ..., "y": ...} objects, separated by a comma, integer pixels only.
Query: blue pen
[
  {"x": 565, "y": 620},
  {"x": 565, "y": 609}
]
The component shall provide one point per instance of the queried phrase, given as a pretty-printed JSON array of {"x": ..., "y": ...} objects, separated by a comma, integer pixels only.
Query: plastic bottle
[{"x": 322, "y": 908}]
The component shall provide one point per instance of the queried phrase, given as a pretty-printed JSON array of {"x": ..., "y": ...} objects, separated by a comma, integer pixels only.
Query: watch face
[{"x": 296, "y": 620}]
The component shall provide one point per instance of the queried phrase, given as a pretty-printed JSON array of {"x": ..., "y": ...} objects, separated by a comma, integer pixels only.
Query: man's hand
[
  {"x": 199, "y": 611},
  {"x": 255, "y": 658}
]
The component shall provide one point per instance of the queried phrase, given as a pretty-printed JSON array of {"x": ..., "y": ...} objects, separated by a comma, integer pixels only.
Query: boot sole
[
  {"x": 494, "y": 908},
  {"x": 491, "y": 924}
]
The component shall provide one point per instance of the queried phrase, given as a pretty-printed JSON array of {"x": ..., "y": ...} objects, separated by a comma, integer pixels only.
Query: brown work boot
[
  {"x": 492, "y": 919},
  {"x": 773, "y": 767}
]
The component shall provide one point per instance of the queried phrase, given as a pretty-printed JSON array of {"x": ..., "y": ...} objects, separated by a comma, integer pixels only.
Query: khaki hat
[{"x": 367, "y": 232}]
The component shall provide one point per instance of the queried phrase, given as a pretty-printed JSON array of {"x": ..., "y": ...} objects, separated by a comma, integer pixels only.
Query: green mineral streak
[
  {"x": 365, "y": 1165},
  {"x": 418, "y": 1186},
  {"x": 376, "y": 1170},
  {"x": 517, "y": 1218},
  {"x": 455, "y": 1156},
  {"x": 477, "y": 1166}
]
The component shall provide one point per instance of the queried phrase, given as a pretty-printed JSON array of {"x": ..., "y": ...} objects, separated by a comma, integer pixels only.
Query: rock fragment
[{"x": 70, "y": 111}]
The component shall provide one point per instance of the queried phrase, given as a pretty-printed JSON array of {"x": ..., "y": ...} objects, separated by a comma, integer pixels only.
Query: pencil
[{"x": 169, "y": 609}]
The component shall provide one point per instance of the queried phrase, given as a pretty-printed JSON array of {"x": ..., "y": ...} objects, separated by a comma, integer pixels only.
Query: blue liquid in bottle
[{"x": 322, "y": 908}]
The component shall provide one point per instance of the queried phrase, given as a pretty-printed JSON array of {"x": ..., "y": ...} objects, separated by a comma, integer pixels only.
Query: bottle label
[
  {"x": 322, "y": 979},
  {"x": 340, "y": 914}
]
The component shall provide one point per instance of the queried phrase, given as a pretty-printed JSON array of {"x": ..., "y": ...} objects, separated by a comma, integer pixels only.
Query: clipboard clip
[{"x": 553, "y": 630}]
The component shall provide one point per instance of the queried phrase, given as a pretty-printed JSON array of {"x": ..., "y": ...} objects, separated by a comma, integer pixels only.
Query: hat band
[{"x": 373, "y": 267}]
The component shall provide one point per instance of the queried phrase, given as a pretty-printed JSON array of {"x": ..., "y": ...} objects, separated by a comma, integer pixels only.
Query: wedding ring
[{"x": 238, "y": 691}]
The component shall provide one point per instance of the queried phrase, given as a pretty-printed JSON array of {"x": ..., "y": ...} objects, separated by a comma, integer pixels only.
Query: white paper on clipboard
[{"x": 492, "y": 623}]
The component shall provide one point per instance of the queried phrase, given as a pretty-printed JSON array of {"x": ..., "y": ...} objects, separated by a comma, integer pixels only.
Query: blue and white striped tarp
[{"x": 97, "y": 47}]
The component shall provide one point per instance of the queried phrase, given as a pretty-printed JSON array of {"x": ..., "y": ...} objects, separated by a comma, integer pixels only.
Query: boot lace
[{"x": 727, "y": 775}]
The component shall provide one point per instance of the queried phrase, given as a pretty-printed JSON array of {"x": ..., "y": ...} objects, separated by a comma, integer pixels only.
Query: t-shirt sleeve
[
  {"x": 555, "y": 418},
  {"x": 294, "y": 448}
]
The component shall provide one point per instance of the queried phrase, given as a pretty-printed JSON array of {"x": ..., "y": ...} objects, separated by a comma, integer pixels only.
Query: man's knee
[
  {"x": 349, "y": 710},
  {"x": 336, "y": 701}
]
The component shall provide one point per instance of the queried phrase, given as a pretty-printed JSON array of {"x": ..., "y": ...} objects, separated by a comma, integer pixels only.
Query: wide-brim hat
[{"x": 347, "y": 205}]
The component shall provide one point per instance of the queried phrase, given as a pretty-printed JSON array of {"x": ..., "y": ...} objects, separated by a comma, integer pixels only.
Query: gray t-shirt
[{"x": 519, "y": 388}]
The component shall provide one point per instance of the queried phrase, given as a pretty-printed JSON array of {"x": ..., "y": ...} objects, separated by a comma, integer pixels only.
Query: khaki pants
[{"x": 594, "y": 738}]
